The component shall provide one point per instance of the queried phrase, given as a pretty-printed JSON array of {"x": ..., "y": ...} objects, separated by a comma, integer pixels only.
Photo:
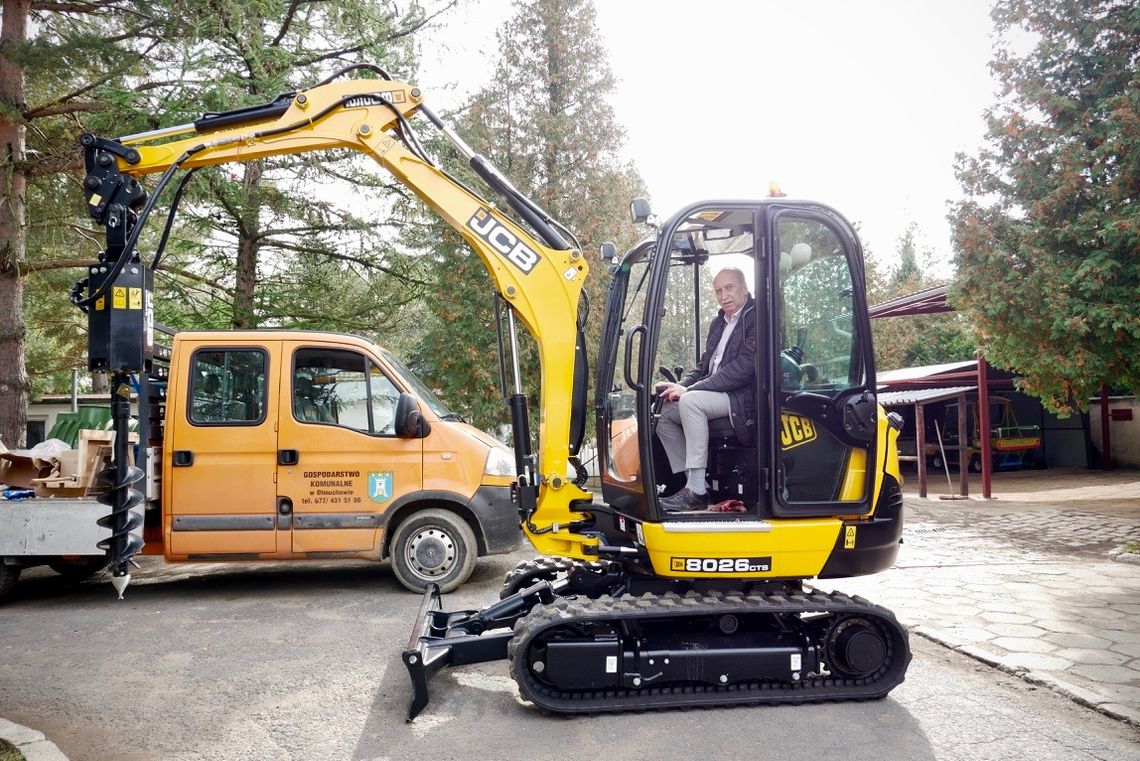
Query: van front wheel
[{"x": 433, "y": 546}]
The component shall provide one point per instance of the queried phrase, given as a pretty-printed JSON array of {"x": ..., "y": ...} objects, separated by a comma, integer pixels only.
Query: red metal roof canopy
[{"x": 926, "y": 301}]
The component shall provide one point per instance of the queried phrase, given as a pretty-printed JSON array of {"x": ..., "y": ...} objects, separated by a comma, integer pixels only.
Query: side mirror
[
  {"x": 639, "y": 210},
  {"x": 410, "y": 424},
  {"x": 608, "y": 252}
]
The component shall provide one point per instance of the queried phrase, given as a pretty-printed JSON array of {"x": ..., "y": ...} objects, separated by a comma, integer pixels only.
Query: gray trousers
[{"x": 684, "y": 427}]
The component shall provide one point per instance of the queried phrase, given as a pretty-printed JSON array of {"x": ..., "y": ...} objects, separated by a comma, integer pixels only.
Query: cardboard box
[
  {"x": 23, "y": 468},
  {"x": 69, "y": 464}
]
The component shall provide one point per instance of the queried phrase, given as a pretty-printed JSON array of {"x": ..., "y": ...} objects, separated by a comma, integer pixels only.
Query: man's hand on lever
[{"x": 670, "y": 392}]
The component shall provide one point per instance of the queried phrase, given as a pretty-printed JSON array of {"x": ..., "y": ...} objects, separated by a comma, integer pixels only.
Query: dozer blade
[{"x": 440, "y": 639}]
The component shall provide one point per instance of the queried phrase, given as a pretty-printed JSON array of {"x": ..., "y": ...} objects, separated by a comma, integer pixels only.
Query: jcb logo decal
[
  {"x": 503, "y": 240},
  {"x": 795, "y": 430}
]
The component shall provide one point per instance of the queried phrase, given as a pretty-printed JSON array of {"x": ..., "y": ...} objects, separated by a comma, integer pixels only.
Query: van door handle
[
  {"x": 288, "y": 457},
  {"x": 183, "y": 458}
]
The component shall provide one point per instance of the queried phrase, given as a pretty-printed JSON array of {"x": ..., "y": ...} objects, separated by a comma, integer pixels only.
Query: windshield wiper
[{"x": 454, "y": 416}]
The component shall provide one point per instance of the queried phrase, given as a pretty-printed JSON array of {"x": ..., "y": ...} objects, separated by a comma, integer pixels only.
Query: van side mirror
[
  {"x": 608, "y": 252},
  {"x": 639, "y": 210},
  {"x": 410, "y": 424}
]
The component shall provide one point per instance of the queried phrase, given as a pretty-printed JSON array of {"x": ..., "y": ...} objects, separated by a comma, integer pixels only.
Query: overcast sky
[{"x": 860, "y": 104}]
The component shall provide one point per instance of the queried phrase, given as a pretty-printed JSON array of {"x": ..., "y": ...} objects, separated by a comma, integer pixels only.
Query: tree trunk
[
  {"x": 14, "y": 385},
  {"x": 245, "y": 279}
]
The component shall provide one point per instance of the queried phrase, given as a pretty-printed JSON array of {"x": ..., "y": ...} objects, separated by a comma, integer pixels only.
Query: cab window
[
  {"x": 227, "y": 387},
  {"x": 818, "y": 341},
  {"x": 343, "y": 388}
]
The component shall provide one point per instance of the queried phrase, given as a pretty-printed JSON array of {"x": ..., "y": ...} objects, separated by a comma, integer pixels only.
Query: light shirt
[{"x": 718, "y": 355}]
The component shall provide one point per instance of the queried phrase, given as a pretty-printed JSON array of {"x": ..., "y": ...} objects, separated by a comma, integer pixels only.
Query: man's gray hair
[{"x": 739, "y": 277}]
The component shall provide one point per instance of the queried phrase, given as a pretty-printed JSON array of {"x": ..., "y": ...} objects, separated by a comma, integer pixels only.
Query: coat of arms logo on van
[{"x": 380, "y": 486}]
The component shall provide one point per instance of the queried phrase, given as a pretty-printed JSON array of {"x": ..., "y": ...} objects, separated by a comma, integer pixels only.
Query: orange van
[{"x": 297, "y": 445}]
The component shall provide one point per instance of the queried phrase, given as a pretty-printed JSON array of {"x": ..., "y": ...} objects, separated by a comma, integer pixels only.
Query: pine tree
[
  {"x": 916, "y": 340},
  {"x": 545, "y": 121},
  {"x": 907, "y": 273},
  {"x": 117, "y": 67},
  {"x": 82, "y": 61},
  {"x": 273, "y": 222}
]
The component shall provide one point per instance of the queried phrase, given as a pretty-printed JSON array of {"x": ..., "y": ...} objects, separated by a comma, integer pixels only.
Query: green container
[
  {"x": 69, "y": 424},
  {"x": 66, "y": 428}
]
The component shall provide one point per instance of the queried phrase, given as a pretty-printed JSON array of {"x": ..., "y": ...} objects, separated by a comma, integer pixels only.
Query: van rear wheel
[{"x": 433, "y": 546}]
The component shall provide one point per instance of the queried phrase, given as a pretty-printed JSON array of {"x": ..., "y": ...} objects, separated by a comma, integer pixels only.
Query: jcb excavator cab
[{"x": 810, "y": 429}]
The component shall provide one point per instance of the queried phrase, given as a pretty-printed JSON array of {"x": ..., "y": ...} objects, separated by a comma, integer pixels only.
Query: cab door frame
[
  {"x": 628, "y": 496},
  {"x": 849, "y": 415},
  {"x": 655, "y": 311}
]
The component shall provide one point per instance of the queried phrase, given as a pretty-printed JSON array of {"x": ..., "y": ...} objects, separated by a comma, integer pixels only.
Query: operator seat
[
  {"x": 720, "y": 431},
  {"x": 732, "y": 466}
]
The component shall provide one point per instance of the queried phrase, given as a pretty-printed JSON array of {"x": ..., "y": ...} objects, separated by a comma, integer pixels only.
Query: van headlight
[{"x": 500, "y": 462}]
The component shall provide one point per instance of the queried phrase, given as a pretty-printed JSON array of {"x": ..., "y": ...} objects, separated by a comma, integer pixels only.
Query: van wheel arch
[{"x": 393, "y": 521}]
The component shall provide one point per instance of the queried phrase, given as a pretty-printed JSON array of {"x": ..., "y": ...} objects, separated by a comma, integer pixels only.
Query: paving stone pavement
[{"x": 1033, "y": 591}]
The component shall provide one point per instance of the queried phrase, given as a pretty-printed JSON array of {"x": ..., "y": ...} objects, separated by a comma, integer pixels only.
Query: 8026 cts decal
[{"x": 721, "y": 565}]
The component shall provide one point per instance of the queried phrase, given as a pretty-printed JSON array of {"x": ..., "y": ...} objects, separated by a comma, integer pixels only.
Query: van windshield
[{"x": 419, "y": 387}]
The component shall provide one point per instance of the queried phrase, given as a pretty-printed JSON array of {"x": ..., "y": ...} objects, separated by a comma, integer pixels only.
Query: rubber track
[
  {"x": 812, "y": 690},
  {"x": 544, "y": 568}
]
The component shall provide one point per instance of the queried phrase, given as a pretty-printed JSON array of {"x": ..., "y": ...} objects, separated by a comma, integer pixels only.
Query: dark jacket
[{"x": 736, "y": 375}]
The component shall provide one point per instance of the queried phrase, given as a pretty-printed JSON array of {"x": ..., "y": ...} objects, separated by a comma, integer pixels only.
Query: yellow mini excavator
[{"x": 633, "y": 607}]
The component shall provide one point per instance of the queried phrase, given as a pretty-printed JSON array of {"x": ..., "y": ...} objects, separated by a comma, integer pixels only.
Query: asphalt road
[{"x": 249, "y": 661}]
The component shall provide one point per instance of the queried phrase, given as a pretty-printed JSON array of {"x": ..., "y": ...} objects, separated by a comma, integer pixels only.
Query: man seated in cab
[{"x": 722, "y": 385}]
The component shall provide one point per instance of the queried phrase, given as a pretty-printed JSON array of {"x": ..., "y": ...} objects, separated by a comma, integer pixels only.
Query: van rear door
[{"x": 222, "y": 439}]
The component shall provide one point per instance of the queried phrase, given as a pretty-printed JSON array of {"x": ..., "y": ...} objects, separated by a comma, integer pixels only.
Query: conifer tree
[
  {"x": 1047, "y": 236},
  {"x": 546, "y": 122},
  {"x": 116, "y": 67}
]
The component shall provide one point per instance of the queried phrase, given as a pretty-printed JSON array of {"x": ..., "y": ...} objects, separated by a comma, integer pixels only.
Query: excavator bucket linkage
[{"x": 440, "y": 639}]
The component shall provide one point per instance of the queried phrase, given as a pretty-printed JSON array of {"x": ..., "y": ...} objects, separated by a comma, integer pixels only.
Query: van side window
[
  {"x": 228, "y": 387},
  {"x": 384, "y": 398},
  {"x": 339, "y": 387}
]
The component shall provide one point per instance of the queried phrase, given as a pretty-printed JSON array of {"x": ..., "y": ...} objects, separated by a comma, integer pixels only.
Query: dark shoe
[{"x": 685, "y": 501}]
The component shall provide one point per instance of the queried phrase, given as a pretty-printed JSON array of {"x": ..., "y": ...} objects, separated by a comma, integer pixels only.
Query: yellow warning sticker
[
  {"x": 849, "y": 538},
  {"x": 134, "y": 298},
  {"x": 100, "y": 303},
  {"x": 119, "y": 298},
  {"x": 96, "y": 199}
]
